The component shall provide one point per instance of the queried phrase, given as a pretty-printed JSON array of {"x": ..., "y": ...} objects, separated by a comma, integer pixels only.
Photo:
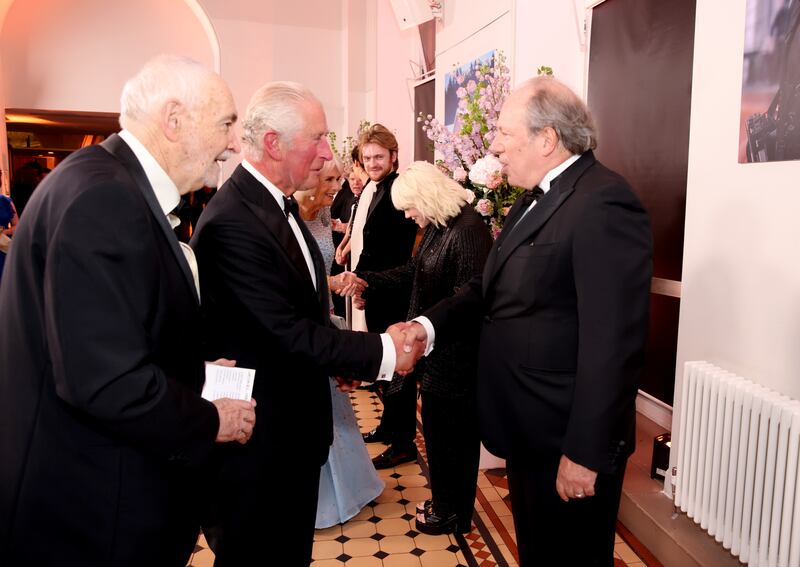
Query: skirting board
[{"x": 654, "y": 409}]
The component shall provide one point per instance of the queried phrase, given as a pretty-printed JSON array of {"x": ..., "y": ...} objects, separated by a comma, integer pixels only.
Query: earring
[{"x": 312, "y": 197}]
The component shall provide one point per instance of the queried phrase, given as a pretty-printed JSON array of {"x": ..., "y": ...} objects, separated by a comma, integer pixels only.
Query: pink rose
[
  {"x": 460, "y": 174},
  {"x": 484, "y": 207},
  {"x": 494, "y": 180}
]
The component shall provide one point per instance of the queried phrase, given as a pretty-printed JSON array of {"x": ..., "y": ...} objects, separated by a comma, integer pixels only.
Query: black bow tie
[
  {"x": 529, "y": 196},
  {"x": 290, "y": 206},
  {"x": 183, "y": 204}
]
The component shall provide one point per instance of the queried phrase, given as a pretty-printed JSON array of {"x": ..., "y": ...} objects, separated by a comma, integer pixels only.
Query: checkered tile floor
[{"x": 383, "y": 534}]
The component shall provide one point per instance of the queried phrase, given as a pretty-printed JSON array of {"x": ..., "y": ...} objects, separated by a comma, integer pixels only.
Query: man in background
[
  {"x": 344, "y": 204},
  {"x": 381, "y": 239},
  {"x": 102, "y": 427}
]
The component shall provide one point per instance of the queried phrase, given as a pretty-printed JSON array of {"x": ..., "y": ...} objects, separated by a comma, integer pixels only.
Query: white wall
[
  {"x": 551, "y": 34},
  {"x": 740, "y": 307},
  {"x": 77, "y": 54},
  {"x": 394, "y": 98},
  {"x": 531, "y": 33},
  {"x": 254, "y": 53}
]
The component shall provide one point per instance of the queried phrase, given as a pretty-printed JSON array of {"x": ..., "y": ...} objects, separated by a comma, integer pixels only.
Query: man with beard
[
  {"x": 103, "y": 427},
  {"x": 381, "y": 239}
]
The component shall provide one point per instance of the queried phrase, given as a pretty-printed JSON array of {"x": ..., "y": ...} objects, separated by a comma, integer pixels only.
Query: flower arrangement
[{"x": 464, "y": 153}]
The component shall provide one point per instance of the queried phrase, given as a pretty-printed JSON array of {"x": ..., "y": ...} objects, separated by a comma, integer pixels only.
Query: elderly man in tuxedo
[
  {"x": 563, "y": 307},
  {"x": 266, "y": 301},
  {"x": 102, "y": 427}
]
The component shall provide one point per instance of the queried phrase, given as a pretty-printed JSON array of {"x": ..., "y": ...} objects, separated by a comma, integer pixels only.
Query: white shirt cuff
[
  {"x": 428, "y": 326},
  {"x": 389, "y": 360}
]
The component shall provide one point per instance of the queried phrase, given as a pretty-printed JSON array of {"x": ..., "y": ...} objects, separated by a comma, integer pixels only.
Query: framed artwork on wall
[
  {"x": 459, "y": 78},
  {"x": 769, "y": 128}
]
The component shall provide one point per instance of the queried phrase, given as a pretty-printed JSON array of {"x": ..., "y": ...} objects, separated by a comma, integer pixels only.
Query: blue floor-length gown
[{"x": 348, "y": 481}]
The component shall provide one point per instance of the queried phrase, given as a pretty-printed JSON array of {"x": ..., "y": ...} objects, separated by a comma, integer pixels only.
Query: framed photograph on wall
[
  {"x": 459, "y": 78},
  {"x": 769, "y": 125}
]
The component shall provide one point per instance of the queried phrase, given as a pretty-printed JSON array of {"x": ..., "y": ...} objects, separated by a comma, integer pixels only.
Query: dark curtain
[
  {"x": 640, "y": 82},
  {"x": 424, "y": 102}
]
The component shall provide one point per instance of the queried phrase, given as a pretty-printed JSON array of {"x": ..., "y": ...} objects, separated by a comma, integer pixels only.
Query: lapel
[
  {"x": 258, "y": 199},
  {"x": 117, "y": 147},
  {"x": 560, "y": 190},
  {"x": 381, "y": 189}
]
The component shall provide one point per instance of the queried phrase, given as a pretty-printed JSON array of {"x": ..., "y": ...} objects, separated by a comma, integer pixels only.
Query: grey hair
[
  {"x": 276, "y": 107},
  {"x": 553, "y": 104},
  {"x": 424, "y": 187},
  {"x": 162, "y": 78},
  {"x": 335, "y": 161}
]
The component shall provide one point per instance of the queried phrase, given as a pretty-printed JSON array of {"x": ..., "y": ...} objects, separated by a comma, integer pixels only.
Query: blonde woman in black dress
[{"x": 453, "y": 249}]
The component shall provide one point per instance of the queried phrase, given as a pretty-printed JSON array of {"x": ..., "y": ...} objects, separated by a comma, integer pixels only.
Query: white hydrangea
[{"x": 484, "y": 168}]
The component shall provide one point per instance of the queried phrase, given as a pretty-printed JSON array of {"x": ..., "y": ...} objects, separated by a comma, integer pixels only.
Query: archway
[{"x": 75, "y": 55}]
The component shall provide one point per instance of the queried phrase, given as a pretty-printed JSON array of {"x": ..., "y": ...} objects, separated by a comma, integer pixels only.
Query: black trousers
[
  {"x": 256, "y": 512},
  {"x": 450, "y": 426},
  {"x": 553, "y": 532},
  {"x": 399, "y": 419}
]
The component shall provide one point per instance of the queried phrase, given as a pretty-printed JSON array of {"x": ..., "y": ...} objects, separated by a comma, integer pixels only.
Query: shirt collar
[
  {"x": 556, "y": 171},
  {"x": 166, "y": 191},
  {"x": 276, "y": 193}
]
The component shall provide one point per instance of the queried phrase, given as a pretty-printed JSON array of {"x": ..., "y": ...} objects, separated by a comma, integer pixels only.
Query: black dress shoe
[
  {"x": 431, "y": 523},
  {"x": 375, "y": 436},
  {"x": 391, "y": 458}
]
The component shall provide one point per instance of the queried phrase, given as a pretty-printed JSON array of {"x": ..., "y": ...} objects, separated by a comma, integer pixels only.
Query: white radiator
[{"x": 737, "y": 473}]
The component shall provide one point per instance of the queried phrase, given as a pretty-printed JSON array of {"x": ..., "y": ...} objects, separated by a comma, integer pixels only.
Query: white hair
[
  {"x": 163, "y": 77},
  {"x": 424, "y": 187},
  {"x": 277, "y": 107}
]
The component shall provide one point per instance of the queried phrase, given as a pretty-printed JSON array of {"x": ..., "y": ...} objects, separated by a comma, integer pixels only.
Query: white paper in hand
[{"x": 228, "y": 382}]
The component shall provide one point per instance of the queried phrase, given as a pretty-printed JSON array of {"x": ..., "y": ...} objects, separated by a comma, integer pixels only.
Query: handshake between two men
[{"x": 409, "y": 338}]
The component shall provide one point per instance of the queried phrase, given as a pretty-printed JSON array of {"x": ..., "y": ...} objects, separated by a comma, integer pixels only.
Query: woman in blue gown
[{"x": 348, "y": 480}]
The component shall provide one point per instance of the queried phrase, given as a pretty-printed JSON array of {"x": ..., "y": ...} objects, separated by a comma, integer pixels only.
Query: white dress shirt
[
  {"x": 166, "y": 193},
  {"x": 389, "y": 359},
  {"x": 544, "y": 184},
  {"x": 278, "y": 195}
]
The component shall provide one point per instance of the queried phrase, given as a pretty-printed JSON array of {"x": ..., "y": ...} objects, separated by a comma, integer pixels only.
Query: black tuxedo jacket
[
  {"x": 564, "y": 300},
  {"x": 388, "y": 243},
  {"x": 261, "y": 309},
  {"x": 100, "y": 369}
]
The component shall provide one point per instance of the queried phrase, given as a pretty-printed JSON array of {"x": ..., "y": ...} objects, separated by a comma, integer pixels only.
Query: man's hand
[
  {"x": 343, "y": 251},
  {"x": 223, "y": 362},
  {"x": 338, "y": 226},
  {"x": 346, "y": 385},
  {"x": 347, "y": 284},
  {"x": 574, "y": 480},
  {"x": 236, "y": 419},
  {"x": 408, "y": 351},
  {"x": 414, "y": 335}
]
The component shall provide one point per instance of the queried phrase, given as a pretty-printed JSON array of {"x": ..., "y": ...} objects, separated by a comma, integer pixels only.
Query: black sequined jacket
[{"x": 447, "y": 258}]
